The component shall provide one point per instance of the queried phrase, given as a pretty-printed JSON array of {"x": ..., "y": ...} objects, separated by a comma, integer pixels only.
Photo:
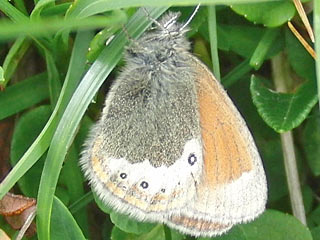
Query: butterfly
[{"x": 170, "y": 146}]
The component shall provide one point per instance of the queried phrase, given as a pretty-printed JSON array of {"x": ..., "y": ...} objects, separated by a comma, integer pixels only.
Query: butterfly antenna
[
  {"x": 191, "y": 17},
  {"x": 125, "y": 31},
  {"x": 152, "y": 19}
]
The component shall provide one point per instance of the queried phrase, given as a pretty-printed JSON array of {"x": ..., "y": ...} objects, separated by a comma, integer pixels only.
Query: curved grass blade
[
  {"x": 40, "y": 145},
  {"x": 75, "y": 110}
]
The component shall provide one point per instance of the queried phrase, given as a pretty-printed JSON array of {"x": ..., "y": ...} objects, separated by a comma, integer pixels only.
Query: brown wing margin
[{"x": 224, "y": 133}]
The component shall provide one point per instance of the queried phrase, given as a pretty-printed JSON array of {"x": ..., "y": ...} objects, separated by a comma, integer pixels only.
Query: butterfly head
[{"x": 163, "y": 45}]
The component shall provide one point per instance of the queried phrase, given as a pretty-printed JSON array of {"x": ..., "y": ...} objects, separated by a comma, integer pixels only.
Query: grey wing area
[
  {"x": 149, "y": 118},
  {"x": 138, "y": 156}
]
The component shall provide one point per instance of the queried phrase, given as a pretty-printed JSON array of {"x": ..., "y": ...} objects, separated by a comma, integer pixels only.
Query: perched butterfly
[{"x": 170, "y": 146}]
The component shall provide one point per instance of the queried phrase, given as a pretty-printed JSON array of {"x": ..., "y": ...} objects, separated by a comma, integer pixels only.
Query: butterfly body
[{"x": 170, "y": 146}]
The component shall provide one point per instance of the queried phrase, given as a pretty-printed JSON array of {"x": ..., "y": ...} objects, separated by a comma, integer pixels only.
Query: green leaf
[
  {"x": 244, "y": 41},
  {"x": 63, "y": 225},
  {"x": 26, "y": 131},
  {"x": 118, "y": 234},
  {"x": 72, "y": 178},
  {"x": 241, "y": 39},
  {"x": 20, "y": 5},
  {"x": 283, "y": 111},
  {"x": 311, "y": 139},
  {"x": 236, "y": 233},
  {"x": 270, "y": 225},
  {"x": 102, "y": 205},
  {"x": 56, "y": 10},
  {"x": 300, "y": 60},
  {"x": 316, "y": 233},
  {"x": 122, "y": 221},
  {"x": 276, "y": 225},
  {"x": 23, "y": 95},
  {"x": 130, "y": 225},
  {"x": 307, "y": 195},
  {"x": 71, "y": 175},
  {"x": 271, "y": 152},
  {"x": 39, "y": 7},
  {"x": 157, "y": 233},
  {"x": 269, "y": 14},
  {"x": 314, "y": 217}
]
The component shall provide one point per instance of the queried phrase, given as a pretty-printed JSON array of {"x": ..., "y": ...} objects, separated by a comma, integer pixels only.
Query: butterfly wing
[
  {"x": 139, "y": 189},
  {"x": 144, "y": 157},
  {"x": 216, "y": 182},
  {"x": 233, "y": 188}
]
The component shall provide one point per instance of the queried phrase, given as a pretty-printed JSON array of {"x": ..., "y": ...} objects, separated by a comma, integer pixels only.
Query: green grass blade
[
  {"x": 40, "y": 145},
  {"x": 13, "y": 58},
  {"x": 74, "y": 112},
  {"x": 85, "y": 8},
  {"x": 14, "y": 14},
  {"x": 47, "y": 26}
]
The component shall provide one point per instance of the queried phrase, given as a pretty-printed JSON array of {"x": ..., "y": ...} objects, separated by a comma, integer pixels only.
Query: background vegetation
[{"x": 49, "y": 78}]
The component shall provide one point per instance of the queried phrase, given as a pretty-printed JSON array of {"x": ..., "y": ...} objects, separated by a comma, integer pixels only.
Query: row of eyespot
[{"x": 191, "y": 160}]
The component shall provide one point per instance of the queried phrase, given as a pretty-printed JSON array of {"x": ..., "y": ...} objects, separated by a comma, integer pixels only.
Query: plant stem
[
  {"x": 212, "y": 25},
  {"x": 280, "y": 76}
]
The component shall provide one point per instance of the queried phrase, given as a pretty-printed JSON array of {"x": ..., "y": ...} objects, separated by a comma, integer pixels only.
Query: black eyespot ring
[
  {"x": 144, "y": 184},
  {"x": 163, "y": 190},
  {"x": 192, "y": 159},
  {"x": 123, "y": 175}
]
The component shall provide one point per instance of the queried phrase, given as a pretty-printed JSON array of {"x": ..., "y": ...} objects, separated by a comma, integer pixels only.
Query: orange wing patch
[{"x": 226, "y": 148}]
